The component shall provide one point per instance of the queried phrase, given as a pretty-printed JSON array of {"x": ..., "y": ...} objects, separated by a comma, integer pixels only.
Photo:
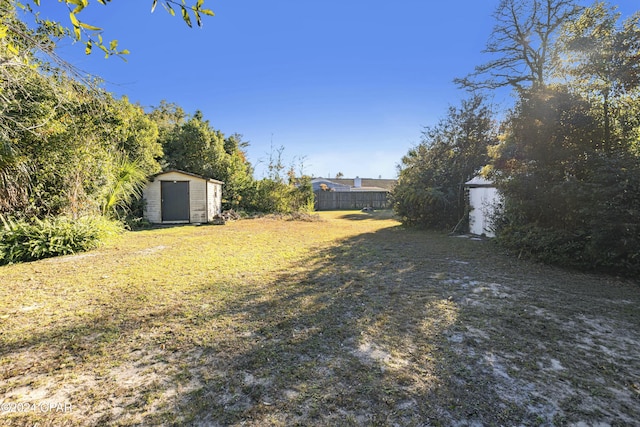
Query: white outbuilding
[
  {"x": 484, "y": 200},
  {"x": 179, "y": 197}
]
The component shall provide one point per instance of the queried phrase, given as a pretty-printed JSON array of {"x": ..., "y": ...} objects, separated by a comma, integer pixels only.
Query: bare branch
[{"x": 521, "y": 44}]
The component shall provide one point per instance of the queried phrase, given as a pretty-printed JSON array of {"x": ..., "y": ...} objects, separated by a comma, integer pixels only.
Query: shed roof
[
  {"x": 186, "y": 173},
  {"x": 479, "y": 181}
]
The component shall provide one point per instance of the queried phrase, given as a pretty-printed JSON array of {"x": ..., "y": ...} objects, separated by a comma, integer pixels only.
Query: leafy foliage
[
  {"x": 274, "y": 196},
  {"x": 602, "y": 62},
  {"x": 430, "y": 189},
  {"x": 566, "y": 199},
  {"x": 193, "y": 145},
  {"x": 61, "y": 140},
  {"x": 123, "y": 187},
  {"x": 91, "y": 35},
  {"x": 29, "y": 240}
]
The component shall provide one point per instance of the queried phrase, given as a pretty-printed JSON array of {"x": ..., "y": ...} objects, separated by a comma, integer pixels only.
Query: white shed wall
[
  {"x": 214, "y": 198},
  {"x": 483, "y": 202},
  {"x": 198, "y": 200},
  {"x": 151, "y": 196}
]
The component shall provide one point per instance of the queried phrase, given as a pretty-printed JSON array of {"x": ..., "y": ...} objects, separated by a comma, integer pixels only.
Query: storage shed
[
  {"x": 484, "y": 199},
  {"x": 177, "y": 197}
]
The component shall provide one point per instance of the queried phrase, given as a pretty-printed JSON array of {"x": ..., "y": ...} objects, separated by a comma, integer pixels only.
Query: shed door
[{"x": 175, "y": 200}]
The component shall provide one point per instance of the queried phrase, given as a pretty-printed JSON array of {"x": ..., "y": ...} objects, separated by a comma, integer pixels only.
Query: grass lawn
[{"x": 350, "y": 320}]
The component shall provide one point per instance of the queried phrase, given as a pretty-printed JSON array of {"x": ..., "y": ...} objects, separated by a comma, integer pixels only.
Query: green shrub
[
  {"x": 273, "y": 196},
  {"x": 591, "y": 224},
  {"x": 28, "y": 240}
]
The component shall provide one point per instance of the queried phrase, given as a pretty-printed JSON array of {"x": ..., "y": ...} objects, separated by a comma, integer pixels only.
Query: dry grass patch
[{"x": 350, "y": 320}]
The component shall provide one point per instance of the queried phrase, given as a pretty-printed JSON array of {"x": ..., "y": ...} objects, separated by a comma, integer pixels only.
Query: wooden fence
[{"x": 337, "y": 200}]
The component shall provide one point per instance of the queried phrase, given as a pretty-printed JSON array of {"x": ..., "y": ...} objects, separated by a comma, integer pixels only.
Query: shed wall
[
  {"x": 483, "y": 202},
  {"x": 214, "y": 200}
]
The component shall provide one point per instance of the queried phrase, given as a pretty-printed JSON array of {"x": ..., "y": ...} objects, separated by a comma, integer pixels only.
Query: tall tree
[
  {"x": 195, "y": 146},
  {"x": 565, "y": 201},
  {"x": 237, "y": 173},
  {"x": 521, "y": 44},
  {"x": 602, "y": 59}
]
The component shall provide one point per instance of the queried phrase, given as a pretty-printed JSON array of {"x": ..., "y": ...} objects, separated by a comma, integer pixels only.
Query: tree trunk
[{"x": 607, "y": 125}]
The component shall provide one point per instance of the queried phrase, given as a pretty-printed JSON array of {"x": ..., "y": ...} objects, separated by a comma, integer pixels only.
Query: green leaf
[
  {"x": 169, "y": 9},
  {"x": 74, "y": 20},
  {"x": 90, "y": 27},
  {"x": 87, "y": 49},
  {"x": 80, "y": 4},
  {"x": 13, "y": 49},
  {"x": 185, "y": 16},
  {"x": 113, "y": 44},
  {"x": 208, "y": 12},
  {"x": 153, "y": 6}
]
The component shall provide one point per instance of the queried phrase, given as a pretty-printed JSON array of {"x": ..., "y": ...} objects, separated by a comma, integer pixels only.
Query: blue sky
[{"x": 343, "y": 85}]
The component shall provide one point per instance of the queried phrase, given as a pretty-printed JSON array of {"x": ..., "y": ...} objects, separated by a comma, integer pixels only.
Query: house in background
[
  {"x": 356, "y": 193},
  {"x": 484, "y": 200},
  {"x": 323, "y": 184},
  {"x": 178, "y": 197},
  {"x": 386, "y": 184}
]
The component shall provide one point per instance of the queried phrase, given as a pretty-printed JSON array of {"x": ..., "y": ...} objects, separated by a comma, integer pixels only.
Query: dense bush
[
  {"x": 567, "y": 201},
  {"x": 430, "y": 190},
  {"x": 29, "y": 240},
  {"x": 276, "y": 196}
]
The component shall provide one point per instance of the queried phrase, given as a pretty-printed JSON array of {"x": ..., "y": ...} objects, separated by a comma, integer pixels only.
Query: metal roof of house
[{"x": 386, "y": 184}]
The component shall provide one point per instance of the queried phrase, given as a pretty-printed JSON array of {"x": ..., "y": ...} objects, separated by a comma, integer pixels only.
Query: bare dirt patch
[{"x": 352, "y": 320}]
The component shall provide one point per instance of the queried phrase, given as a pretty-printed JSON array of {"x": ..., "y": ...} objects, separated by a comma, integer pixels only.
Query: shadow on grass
[
  {"x": 359, "y": 338},
  {"x": 384, "y": 214},
  {"x": 376, "y": 330}
]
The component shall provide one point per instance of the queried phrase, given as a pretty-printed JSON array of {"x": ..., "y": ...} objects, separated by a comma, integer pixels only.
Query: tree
[
  {"x": 521, "y": 44},
  {"x": 430, "y": 189},
  {"x": 565, "y": 200},
  {"x": 236, "y": 172},
  {"x": 60, "y": 139},
  {"x": 195, "y": 146},
  {"x": 602, "y": 60}
]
